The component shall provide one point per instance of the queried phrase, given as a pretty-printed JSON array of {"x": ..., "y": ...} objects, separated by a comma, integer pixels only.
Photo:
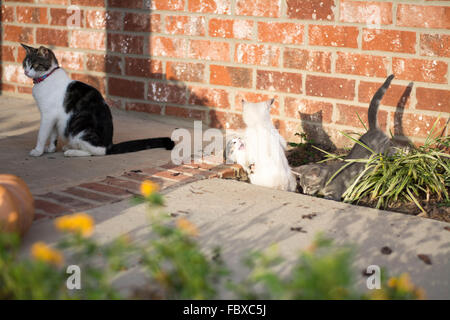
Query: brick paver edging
[{"x": 116, "y": 188}]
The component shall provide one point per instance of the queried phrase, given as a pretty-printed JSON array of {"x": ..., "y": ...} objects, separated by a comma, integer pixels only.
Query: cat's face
[
  {"x": 233, "y": 148},
  {"x": 38, "y": 62},
  {"x": 310, "y": 177},
  {"x": 256, "y": 112}
]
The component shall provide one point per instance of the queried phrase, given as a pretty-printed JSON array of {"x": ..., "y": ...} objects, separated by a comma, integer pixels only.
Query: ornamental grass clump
[{"x": 418, "y": 175}]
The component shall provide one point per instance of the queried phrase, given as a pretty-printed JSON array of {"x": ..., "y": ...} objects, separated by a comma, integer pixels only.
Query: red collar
[{"x": 45, "y": 76}]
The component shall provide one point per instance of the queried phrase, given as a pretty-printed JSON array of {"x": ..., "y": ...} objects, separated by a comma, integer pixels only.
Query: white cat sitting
[{"x": 265, "y": 149}]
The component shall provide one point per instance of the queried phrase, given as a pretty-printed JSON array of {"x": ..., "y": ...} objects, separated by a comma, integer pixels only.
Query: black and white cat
[
  {"x": 74, "y": 111},
  {"x": 313, "y": 178}
]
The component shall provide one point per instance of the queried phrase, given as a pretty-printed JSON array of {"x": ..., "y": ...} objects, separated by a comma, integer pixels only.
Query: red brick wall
[{"x": 199, "y": 58}]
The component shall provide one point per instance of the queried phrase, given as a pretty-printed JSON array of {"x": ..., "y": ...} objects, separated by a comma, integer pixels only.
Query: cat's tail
[
  {"x": 139, "y": 145},
  {"x": 375, "y": 102}
]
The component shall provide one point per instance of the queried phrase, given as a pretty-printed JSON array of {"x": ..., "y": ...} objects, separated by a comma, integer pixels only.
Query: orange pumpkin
[{"x": 16, "y": 201}]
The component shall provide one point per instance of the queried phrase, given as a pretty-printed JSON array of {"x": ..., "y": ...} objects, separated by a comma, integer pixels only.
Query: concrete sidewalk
[{"x": 240, "y": 217}]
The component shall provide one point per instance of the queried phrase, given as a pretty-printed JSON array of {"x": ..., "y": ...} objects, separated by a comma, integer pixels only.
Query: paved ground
[{"x": 235, "y": 215}]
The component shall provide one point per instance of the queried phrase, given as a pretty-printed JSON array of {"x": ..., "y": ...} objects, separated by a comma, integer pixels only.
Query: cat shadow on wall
[
  {"x": 312, "y": 126},
  {"x": 399, "y": 136}
]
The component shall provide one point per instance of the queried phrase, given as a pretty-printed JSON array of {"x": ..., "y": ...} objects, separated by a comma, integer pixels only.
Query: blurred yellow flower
[
  {"x": 379, "y": 294},
  {"x": 187, "y": 227},
  {"x": 420, "y": 293},
  {"x": 81, "y": 223},
  {"x": 148, "y": 187},
  {"x": 40, "y": 251},
  {"x": 392, "y": 282},
  {"x": 404, "y": 283}
]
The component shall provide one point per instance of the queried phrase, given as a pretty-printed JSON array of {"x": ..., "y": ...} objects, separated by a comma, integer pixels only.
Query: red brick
[
  {"x": 88, "y": 40},
  {"x": 209, "y": 50},
  {"x": 50, "y": 207},
  {"x": 126, "y": 88},
  {"x": 167, "y": 47},
  {"x": 14, "y": 73},
  {"x": 210, "y": 6},
  {"x": 417, "y": 125},
  {"x": 188, "y": 113},
  {"x": 129, "y": 4},
  {"x": 126, "y": 43},
  {"x": 307, "y": 60},
  {"x": 259, "y": 54},
  {"x": 279, "y": 81},
  {"x": 303, "y": 109},
  {"x": 435, "y": 45},
  {"x": 67, "y": 201},
  {"x": 54, "y": 37},
  {"x": 230, "y": 76},
  {"x": 288, "y": 129},
  {"x": 36, "y": 15},
  {"x": 187, "y": 25},
  {"x": 420, "y": 70},
  {"x": 60, "y": 16},
  {"x": 121, "y": 183},
  {"x": 110, "y": 190},
  {"x": 311, "y": 9},
  {"x": 409, "y": 15},
  {"x": 61, "y": 2},
  {"x": 334, "y": 36},
  {"x": 433, "y": 99},
  {"x": 5, "y": 87},
  {"x": 283, "y": 32},
  {"x": 367, "y": 12},
  {"x": 389, "y": 40},
  {"x": 147, "y": 68},
  {"x": 226, "y": 120},
  {"x": 166, "y": 92},
  {"x": 97, "y": 82},
  {"x": 104, "y": 63},
  {"x": 392, "y": 97},
  {"x": 231, "y": 28},
  {"x": 136, "y": 176},
  {"x": 143, "y": 107},
  {"x": 69, "y": 59},
  {"x": 23, "y": 89},
  {"x": 101, "y": 19},
  {"x": 167, "y": 4},
  {"x": 18, "y": 34},
  {"x": 250, "y": 96},
  {"x": 258, "y": 8},
  {"x": 142, "y": 22},
  {"x": 348, "y": 116},
  {"x": 90, "y": 3},
  {"x": 88, "y": 195},
  {"x": 330, "y": 87},
  {"x": 171, "y": 176},
  {"x": 8, "y": 53},
  {"x": 7, "y": 13},
  {"x": 185, "y": 71},
  {"x": 209, "y": 97},
  {"x": 361, "y": 64}
]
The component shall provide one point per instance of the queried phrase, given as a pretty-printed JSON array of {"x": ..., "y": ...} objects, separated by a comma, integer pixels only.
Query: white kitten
[{"x": 266, "y": 149}]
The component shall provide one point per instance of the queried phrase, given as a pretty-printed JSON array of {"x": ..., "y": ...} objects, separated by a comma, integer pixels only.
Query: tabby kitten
[
  {"x": 74, "y": 111},
  {"x": 313, "y": 178}
]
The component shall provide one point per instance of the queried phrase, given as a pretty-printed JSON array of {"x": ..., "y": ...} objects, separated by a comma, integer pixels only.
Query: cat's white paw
[
  {"x": 50, "y": 148},
  {"x": 76, "y": 153},
  {"x": 36, "y": 153}
]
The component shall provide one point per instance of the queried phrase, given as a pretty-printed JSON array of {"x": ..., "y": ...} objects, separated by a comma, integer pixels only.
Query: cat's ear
[
  {"x": 315, "y": 171},
  {"x": 270, "y": 103},
  {"x": 28, "y": 49},
  {"x": 43, "y": 51}
]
